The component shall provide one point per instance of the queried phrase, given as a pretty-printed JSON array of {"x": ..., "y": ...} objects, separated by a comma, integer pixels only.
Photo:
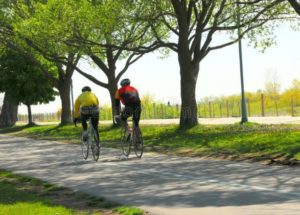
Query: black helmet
[
  {"x": 86, "y": 88},
  {"x": 125, "y": 82}
]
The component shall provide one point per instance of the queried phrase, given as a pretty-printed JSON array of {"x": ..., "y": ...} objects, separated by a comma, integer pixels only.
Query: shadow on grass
[
  {"x": 12, "y": 194},
  {"x": 13, "y": 129},
  {"x": 17, "y": 189},
  {"x": 233, "y": 140},
  {"x": 198, "y": 137}
]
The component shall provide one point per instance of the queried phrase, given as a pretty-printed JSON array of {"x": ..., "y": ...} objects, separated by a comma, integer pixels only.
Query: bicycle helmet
[
  {"x": 125, "y": 82},
  {"x": 86, "y": 88}
]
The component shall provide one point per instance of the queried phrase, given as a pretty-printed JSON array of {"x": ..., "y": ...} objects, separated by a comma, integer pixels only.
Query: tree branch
[
  {"x": 296, "y": 5},
  {"x": 236, "y": 40},
  {"x": 91, "y": 78},
  {"x": 99, "y": 62}
]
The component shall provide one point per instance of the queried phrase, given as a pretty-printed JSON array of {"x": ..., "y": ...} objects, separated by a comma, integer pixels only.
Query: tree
[
  {"x": 14, "y": 36},
  {"x": 195, "y": 23},
  {"x": 23, "y": 82},
  {"x": 105, "y": 32},
  {"x": 9, "y": 113},
  {"x": 292, "y": 94}
]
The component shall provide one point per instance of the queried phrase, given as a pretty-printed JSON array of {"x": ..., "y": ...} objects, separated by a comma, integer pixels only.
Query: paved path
[{"x": 162, "y": 185}]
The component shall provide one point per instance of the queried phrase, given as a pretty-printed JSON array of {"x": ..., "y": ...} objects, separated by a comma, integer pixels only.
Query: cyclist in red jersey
[{"x": 129, "y": 97}]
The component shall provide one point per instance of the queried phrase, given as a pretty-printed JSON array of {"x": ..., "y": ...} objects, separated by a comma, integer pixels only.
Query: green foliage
[
  {"x": 82, "y": 26},
  {"x": 202, "y": 19},
  {"x": 48, "y": 24},
  {"x": 23, "y": 81},
  {"x": 262, "y": 36}
]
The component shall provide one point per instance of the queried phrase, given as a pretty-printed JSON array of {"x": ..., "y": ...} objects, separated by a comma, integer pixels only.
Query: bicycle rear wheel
[
  {"x": 84, "y": 147},
  {"x": 126, "y": 143},
  {"x": 95, "y": 145},
  {"x": 138, "y": 143}
]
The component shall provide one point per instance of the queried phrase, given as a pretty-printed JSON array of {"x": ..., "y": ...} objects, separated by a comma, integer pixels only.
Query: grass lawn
[
  {"x": 26, "y": 195},
  {"x": 271, "y": 143}
]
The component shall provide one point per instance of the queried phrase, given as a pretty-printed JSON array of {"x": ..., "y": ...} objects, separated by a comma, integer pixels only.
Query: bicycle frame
[
  {"x": 92, "y": 141},
  {"x": 134, "y": 137}
]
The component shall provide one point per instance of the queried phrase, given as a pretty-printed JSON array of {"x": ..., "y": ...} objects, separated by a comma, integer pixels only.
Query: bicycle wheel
[
  {"x": 95, "y": 145},
  {"x": 84, "y": 147},
  {"x": 138, "y": 143},
  {"x": 126, "y": 143}
]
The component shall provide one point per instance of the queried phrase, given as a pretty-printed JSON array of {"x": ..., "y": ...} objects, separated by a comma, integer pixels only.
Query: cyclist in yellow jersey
[{"x": 87, "y": 106}]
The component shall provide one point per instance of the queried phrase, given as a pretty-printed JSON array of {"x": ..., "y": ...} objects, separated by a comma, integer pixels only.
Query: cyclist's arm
[
  {"x": 117, "y": 102},
  {"x": 118, "y": 106},
  {"x": 76, "y": 108}
]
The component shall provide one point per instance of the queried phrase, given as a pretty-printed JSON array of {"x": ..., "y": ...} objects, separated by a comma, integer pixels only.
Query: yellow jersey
[{"x": 85, "y": 99}]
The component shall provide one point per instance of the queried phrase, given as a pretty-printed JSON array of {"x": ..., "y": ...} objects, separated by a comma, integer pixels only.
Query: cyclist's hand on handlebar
[
  {"x": 75, "y": 120},
  {"x": 117, "y": 119}
]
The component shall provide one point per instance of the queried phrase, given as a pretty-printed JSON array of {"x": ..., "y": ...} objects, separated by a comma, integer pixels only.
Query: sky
[{"x": 219, "y": 72}]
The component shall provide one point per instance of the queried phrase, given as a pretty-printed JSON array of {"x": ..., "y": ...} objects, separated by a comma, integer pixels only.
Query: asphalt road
[{"x": 160, "y": 184}]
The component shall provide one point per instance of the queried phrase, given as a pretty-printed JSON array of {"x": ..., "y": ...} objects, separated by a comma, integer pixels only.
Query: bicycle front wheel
[
  {"x": 95, "y": 145},
  {"x": 138, "y": 143},
  {"x": 84, "y": 146},
  {"x": 126, "y": 143}
]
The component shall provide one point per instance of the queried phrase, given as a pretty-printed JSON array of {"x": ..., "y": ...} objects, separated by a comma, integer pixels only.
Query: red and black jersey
[{"x": 128, "y": 95}]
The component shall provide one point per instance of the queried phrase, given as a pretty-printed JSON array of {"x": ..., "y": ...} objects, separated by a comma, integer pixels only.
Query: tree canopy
[
  {"x": 23, "y": 81},
  {"x": 196, "y": 24}
]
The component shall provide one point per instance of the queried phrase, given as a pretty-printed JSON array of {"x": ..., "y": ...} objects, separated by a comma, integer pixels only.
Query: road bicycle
[
  {"x": 90, "y": 141},
  {"x": 131, "y": 137}
]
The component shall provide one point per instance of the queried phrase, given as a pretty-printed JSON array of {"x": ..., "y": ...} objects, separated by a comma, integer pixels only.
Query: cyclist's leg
[
  {"x": 136, "y": 114},
  {"x": 84, "y": 121},
  {"x": 84, "y": 125},
  {"x": 95, "y": 123},
  {"x": 127, "y": 112},
  {"x": 138, "y": 140}
]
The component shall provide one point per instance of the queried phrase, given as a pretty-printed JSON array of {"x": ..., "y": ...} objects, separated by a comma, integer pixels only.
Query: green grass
[
  {"x": 129, "y": 211},
  {"x": 252, "y": 140},
  {"x": 27, "y": 195},
  {"x": 14, "y": 200}
]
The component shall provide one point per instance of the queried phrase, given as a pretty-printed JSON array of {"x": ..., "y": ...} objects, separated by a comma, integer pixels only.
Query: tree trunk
[
  {"x": 9, "y": 113},
  {"x": 112, "y": 92},
  {"x": 295, "y": 5},
  {"x": 112, "y": 88},
  {"x": 64, "y": 93},
  {"x": 30, "y": 121},
  {"x": 188, "y": 114}
]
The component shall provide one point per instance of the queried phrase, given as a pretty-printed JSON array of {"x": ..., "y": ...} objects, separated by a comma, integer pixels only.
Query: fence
[
  {"x": 41, "y": 117},
  {"x": 263, "y": 106}
]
